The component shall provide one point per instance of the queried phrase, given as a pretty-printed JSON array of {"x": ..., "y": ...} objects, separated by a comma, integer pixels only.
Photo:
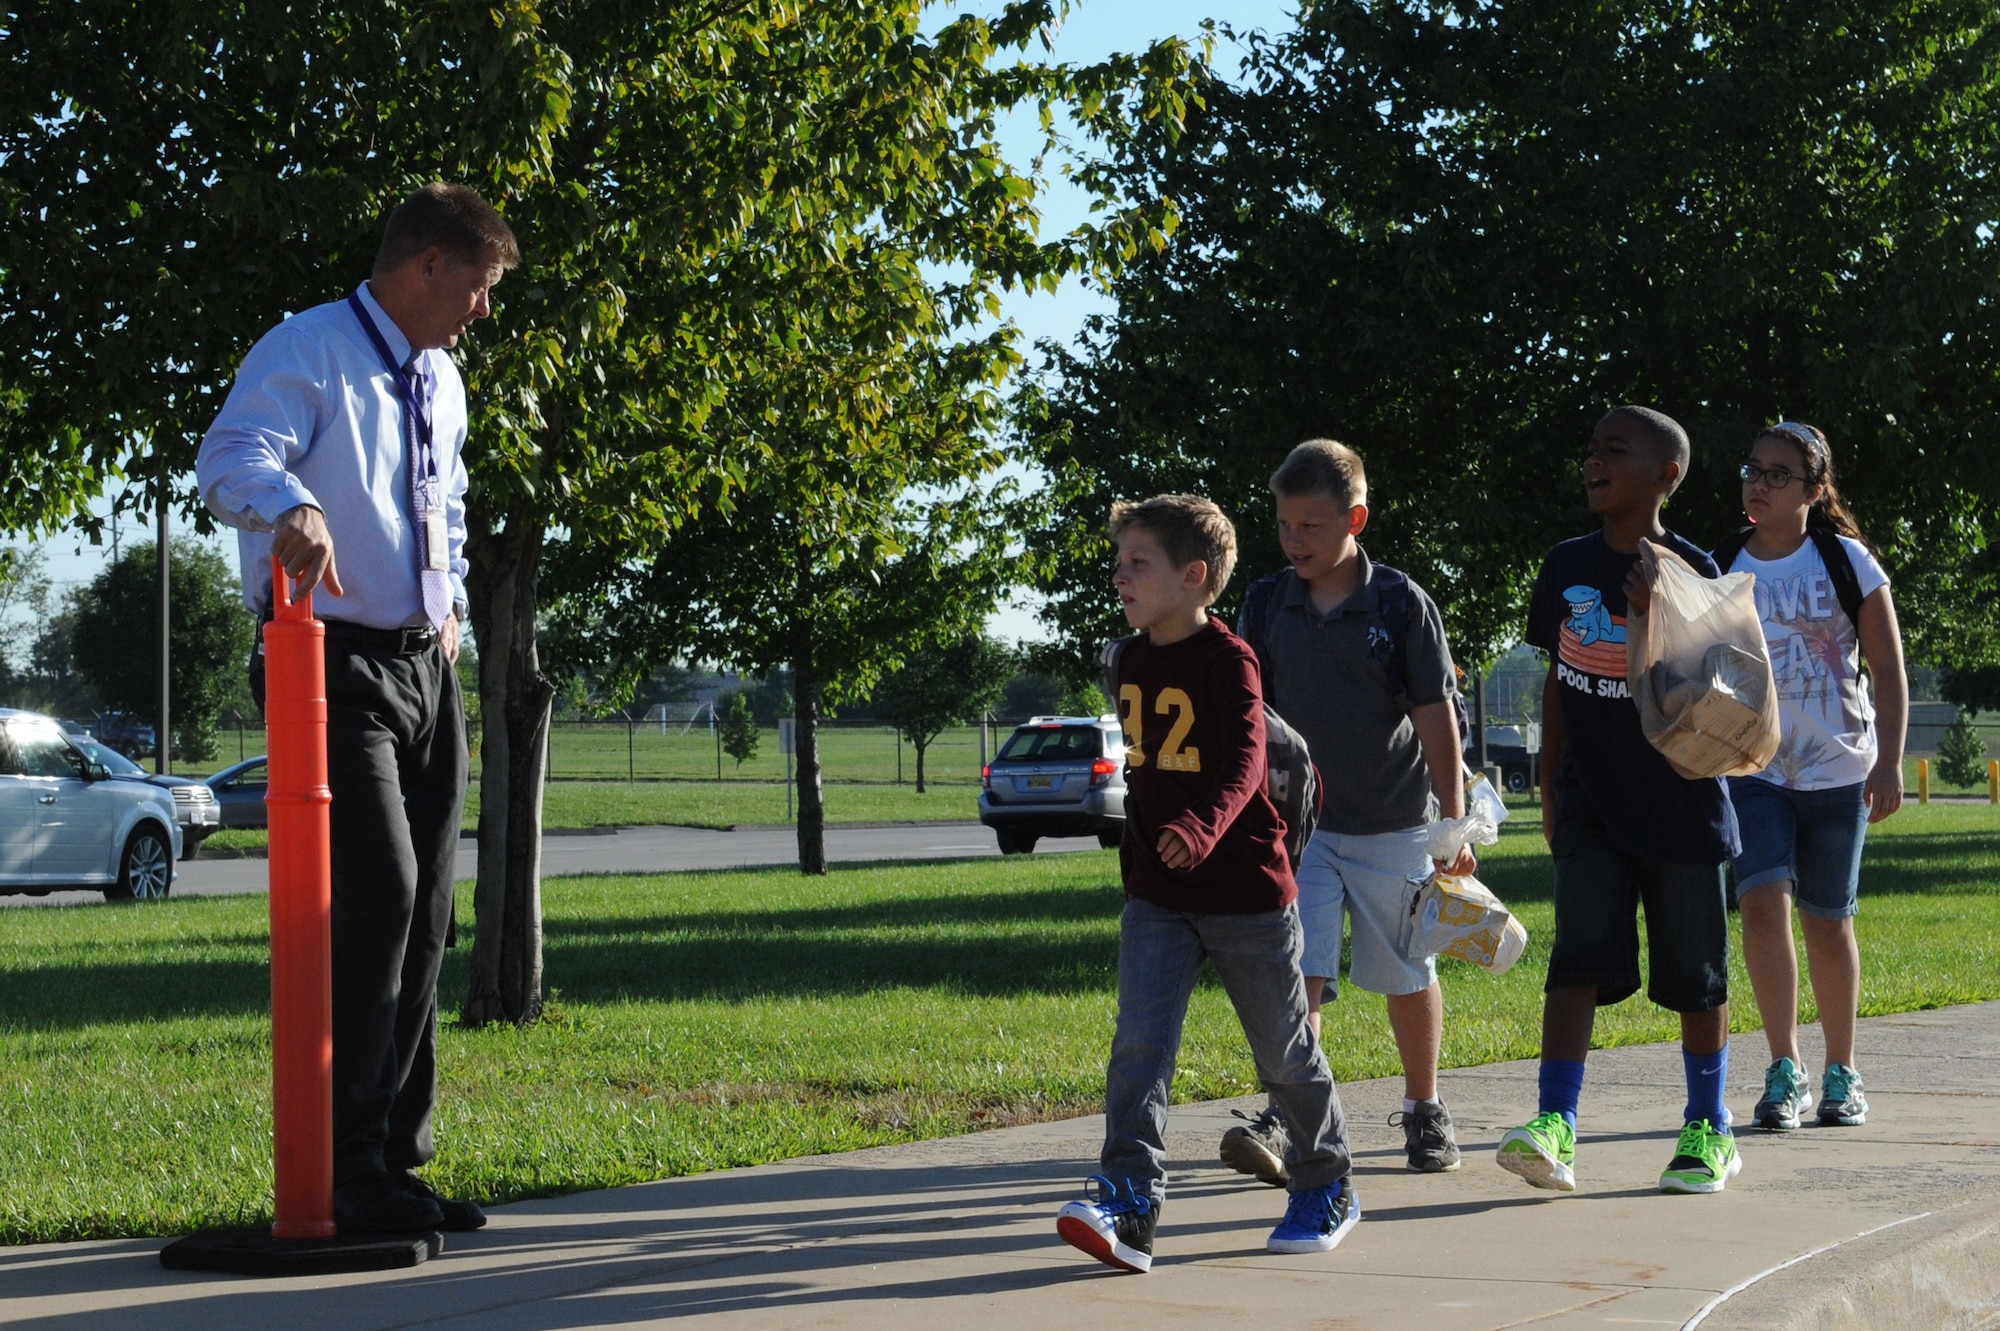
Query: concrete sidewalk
[{"x": 960, "y": 1232}]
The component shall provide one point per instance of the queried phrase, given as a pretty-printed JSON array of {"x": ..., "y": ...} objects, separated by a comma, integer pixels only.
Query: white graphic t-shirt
[{"x": 1824, "y": 711}]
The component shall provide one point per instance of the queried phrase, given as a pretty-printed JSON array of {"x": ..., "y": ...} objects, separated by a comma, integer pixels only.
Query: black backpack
[
  {"x": 1839, "y": 567},
  {"x": 1393, "y": 607},
  {"x": 1290, "y": 780}
]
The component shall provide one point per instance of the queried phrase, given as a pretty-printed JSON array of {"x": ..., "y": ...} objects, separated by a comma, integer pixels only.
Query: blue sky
[{"x": 1095, "y": 29}]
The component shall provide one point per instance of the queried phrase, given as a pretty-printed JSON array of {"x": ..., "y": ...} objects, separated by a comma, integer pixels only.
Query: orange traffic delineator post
[
  {"x": 297, "y": 801},
  {"x": 302, "y": 1238}
]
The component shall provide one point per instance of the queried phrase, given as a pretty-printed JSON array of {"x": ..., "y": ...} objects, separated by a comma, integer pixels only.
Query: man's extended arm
[{"x": 268, "y": 421}]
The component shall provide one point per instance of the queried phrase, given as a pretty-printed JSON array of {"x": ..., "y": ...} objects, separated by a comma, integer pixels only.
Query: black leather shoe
[
  {"x": 380, "y": 1204},
  {"x": 459, "y": 1217}
]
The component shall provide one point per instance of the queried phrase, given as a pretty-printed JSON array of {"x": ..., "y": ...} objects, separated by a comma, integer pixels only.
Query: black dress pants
[{"x": 396, "y": 764}]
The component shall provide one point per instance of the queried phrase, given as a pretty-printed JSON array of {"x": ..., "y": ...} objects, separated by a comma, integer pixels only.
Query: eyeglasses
[{"x": 1777, "y": 478}]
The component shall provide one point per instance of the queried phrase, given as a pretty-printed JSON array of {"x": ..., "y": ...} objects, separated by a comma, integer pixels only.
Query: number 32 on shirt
[{"x": 1171, "y": 702}]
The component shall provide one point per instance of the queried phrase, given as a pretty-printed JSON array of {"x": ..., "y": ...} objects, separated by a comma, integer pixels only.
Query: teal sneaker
[
  {"x": 1542, "y": 1151},
  {"x": 1841, "y": 1103},
  {"x": 1787, "y": 1097},
  {"x": 1704, "y": 1161}
]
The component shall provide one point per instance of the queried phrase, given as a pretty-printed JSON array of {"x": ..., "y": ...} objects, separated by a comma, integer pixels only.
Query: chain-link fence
[
  {"x": 616, "y": 749},
  {"x": 659, "y": 750}
]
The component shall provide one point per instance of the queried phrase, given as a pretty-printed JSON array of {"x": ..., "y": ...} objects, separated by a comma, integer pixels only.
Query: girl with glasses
[{"x": 1824, "y": 599}]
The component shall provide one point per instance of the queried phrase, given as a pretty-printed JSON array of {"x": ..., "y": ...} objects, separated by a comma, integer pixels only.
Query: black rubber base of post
[{"x": 253, "y": 1252}]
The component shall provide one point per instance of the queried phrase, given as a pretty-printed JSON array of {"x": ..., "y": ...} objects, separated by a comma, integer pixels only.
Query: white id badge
[{"x": 435, "y": 549}]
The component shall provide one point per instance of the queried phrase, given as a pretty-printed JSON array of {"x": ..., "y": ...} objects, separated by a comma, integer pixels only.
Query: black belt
[{"x": 397, "y": 642}]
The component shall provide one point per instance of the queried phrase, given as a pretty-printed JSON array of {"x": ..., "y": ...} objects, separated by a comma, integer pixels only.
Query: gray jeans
[{"x": 1257, "y": 958}]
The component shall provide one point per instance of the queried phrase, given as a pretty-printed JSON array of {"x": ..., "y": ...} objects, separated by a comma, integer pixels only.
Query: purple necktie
[{"x": 436, "y": 583}]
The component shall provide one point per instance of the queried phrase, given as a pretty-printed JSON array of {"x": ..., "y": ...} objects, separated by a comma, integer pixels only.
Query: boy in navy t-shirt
[
  {"x": 1206, "y": 878},
  {"x": 1626, "y": 829}
]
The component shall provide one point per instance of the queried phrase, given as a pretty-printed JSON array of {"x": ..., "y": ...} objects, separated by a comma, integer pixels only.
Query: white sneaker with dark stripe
[{"x": 1114, "y": 1227}]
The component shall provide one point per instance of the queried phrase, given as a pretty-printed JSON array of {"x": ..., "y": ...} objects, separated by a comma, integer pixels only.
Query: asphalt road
[{"x": 643, "y": 850}]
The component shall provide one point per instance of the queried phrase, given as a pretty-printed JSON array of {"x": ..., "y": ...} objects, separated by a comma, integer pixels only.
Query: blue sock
[
  {"x": 1706, "y": 1073},
  {"x": 1561, "y": 1088}
]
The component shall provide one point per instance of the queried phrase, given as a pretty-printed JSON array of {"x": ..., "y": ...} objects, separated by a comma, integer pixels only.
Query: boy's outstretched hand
[{"x": 1174, "y": 852}]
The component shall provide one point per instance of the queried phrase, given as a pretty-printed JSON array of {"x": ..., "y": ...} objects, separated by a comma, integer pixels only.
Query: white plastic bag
[
  {"x": 1699, "y": 672},
  {"x": 1481, "y": 797},
  {"x": 1460, "y": 917}
]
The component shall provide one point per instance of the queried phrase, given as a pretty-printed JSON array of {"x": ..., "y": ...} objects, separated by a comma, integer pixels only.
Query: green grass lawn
[
  {"x": 578, "y": 804},
  {"x": 701, "y": 1021}
]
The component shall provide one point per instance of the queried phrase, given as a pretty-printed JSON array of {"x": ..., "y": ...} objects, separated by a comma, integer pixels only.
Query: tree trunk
[
  {"x": 920, "y": 745},
  {"x": 514, "y": 699},
  {"x": 805, "y": 714}
]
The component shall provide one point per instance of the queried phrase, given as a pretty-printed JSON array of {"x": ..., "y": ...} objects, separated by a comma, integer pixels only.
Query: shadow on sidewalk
[
  {"x": 769, "y": 1240},
  {"x": 797, "y": 1237}
]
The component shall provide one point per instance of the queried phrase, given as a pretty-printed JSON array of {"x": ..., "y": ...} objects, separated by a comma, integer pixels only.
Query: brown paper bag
[{"x": 1699, "y": 671}]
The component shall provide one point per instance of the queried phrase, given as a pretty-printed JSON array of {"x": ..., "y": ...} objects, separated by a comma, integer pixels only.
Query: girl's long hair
[{"x": 1828, "y": 512}]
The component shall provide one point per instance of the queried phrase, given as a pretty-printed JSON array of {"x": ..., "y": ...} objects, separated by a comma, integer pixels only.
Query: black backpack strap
[
  {"x": 1840, "y": 569},
  {"x": 1397, "y": 608},
  {"x": 1114, "y": 652},
  {"x": 1254, "y": 624},
  {"x": 1394, "y": 605},
  {"x": 1729, "y": 547},
  {"x": 1839, "y": 566},
  {"x": 1108, "y": 660}
]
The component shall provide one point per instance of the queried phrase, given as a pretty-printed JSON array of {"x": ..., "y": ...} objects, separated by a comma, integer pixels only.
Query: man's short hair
[
  {"x": 1659, "y": 432},
  {"x": 1322, "y": 467},
  {"x": 1188, "y": 528},
  {"x": 453, "y": 218}
]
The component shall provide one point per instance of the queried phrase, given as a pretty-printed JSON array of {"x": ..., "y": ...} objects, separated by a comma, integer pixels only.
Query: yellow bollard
[
  {"x": 1993, "y": 780},
  {"x": 1923, "y": 781}
]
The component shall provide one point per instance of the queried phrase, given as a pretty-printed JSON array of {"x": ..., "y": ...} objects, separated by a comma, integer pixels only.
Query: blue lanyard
[{"x": 405, "y": 391}]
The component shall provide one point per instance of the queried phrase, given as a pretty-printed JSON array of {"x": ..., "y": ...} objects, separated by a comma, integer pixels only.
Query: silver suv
[
  {"x": 1056, "y": 776},
  {"x": 65, "y": 823}
]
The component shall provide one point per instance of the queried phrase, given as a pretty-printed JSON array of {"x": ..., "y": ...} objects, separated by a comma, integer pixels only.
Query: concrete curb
[{"x": 1938, "y": 1270}]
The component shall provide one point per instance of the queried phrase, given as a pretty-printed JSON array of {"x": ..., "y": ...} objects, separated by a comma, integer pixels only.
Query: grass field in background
[
  {"x": 600, "y": 750},
  {"x": 581, "y": 804},
  {"x": 701, "y": 1021}
]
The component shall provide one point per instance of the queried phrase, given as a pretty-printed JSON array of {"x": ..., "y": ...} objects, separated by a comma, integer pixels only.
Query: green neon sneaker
[
  {"x": 1704, "y": 1161},
  {"x": 1542, "y": 1151}
]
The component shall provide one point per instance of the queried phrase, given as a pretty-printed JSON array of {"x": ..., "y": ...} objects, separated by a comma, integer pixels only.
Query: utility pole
[{"x": 163, "y": 744}]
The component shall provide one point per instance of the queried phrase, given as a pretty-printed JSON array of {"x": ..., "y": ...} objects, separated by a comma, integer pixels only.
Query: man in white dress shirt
[{"x": 338, "y": 451}]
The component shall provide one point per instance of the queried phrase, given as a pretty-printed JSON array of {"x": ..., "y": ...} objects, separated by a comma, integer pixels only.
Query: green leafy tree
[
  {"x": 24, "y": 601},
  {"x": 739, "y": 729},
  {"x": 944, "y": 685},
  {"x": 708, "y": 198},
  {"x": 1453, "y": 234},
  {"x": 1031, "y": 693},
  {"x": 1085, "y": 699},
  {"x": 114, "y": 640},
  {"x": 777, "y": 588},
  {"x": 1962, "y": 753}
]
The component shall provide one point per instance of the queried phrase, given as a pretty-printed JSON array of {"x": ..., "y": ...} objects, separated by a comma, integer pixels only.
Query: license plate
[{"x": 1041, "y": 782}]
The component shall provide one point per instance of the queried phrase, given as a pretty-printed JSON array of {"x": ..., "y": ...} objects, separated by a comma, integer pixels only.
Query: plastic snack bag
[
  {"x": 1699, "y": 671},
  {"x": 1481, "y": 797},
  {"x": 1460, "y": 917}
]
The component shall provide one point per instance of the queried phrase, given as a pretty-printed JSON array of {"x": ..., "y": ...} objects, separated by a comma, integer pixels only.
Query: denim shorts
[
  {"x": 1599, "y": 892},
  {"x": 1810, "y": 837},
  {"x": 1364, "y": 880}
]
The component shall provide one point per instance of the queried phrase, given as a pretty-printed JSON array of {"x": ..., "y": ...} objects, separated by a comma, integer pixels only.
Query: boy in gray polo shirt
[{"x": 1354, "y": 657}]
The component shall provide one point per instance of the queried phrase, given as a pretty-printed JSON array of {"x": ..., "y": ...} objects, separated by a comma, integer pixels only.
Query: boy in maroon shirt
[{"x": 1206, "y": 878}]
